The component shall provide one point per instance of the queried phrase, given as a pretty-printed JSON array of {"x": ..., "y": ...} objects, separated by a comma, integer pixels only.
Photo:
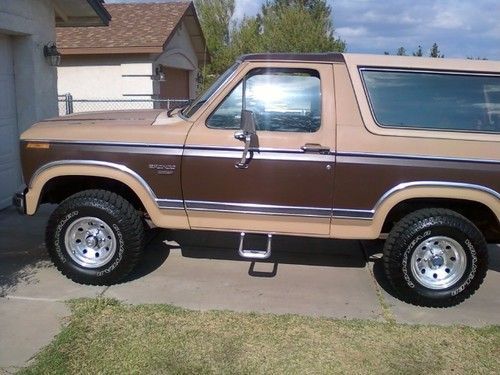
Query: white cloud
[{"x": 351, "y": 32}]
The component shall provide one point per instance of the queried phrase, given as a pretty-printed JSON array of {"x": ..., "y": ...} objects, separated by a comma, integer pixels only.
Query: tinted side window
[
  {"x": 287, "y": 100},
  {"x": 431, "y": 100}
]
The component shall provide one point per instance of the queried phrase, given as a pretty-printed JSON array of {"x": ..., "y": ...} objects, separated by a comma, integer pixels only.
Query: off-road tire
[
  {"x": 118, "y": 214},
  {"x": 405, "y": 237}
]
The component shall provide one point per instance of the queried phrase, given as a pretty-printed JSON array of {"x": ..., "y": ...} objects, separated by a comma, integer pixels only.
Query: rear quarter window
[{"x": 434, "y": 100}]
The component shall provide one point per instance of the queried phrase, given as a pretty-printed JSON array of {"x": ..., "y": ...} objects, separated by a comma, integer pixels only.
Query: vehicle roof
[
  {"x": 324, "y": 57},
  {"x": 369, "y": 60}
]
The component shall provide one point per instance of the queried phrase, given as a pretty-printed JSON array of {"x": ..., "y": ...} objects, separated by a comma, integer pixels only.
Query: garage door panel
[
  {"x": 7, "y": 97},
  {"x": 5, "y": 55},
  {"x": 10, "y": 183},
  {"x": 9, "y": 134},
  {"x": 9, "y": 141}
]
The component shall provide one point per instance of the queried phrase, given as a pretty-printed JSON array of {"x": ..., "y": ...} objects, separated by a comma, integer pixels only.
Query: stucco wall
[
  {"x": 105, "y": 76},
  {"x": 126, "y": 77}
]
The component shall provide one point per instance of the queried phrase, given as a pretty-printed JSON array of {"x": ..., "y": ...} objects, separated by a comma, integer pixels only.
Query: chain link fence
[{"x": 68, "y": 104}]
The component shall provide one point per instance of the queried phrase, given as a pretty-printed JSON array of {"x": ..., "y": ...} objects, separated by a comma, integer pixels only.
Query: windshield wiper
[{"x": 196, "y": 106}]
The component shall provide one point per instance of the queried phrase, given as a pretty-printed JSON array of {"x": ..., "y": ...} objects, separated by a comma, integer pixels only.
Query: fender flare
[
  {"x": 436, "y": 189},
  {"x": 370, "y": 227},
  {"x": 109, "y": 170}
]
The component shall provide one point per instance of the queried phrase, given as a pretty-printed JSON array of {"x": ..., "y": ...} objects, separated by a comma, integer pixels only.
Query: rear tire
[
  {"x": 95, "y": 237},
  {"x": 435, "y": 258}
]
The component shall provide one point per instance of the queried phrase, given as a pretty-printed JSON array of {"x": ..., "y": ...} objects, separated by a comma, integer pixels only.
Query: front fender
[{"x": 166, "y": 218}]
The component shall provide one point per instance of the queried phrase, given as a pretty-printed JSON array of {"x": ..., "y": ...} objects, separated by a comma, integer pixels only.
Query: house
[
  {"x": 149, "y": 50},
  {"x": 27, "y": 79}
]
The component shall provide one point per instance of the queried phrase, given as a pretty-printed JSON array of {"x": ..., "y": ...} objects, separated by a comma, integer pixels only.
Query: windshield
[{"x": 200, "y": 100}]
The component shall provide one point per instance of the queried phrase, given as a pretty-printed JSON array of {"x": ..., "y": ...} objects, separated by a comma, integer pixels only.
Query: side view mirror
[{"x": 247, "y": 132}]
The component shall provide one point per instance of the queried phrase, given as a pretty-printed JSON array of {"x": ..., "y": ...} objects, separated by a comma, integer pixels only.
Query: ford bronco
[{"x": 328, "y": 145}]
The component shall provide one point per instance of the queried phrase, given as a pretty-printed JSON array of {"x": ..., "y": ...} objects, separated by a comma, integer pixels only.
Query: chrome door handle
[{"x": 316, "y": 148}]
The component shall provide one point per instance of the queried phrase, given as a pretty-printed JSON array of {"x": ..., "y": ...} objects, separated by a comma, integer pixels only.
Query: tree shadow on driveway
[{"x": 22, "y": 249}]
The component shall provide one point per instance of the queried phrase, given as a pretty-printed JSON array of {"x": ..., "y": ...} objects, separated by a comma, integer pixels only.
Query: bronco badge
[{"x": 163, "y": 168}]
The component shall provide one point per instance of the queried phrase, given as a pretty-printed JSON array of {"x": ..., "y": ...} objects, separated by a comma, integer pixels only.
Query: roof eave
[
  {"x": 203, "y": 56},
  {"x": 78, "y": 13},
  {"x": 110, "y": 50}
]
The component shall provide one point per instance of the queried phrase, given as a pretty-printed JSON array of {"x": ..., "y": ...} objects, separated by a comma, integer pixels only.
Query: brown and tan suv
[{"x": 325, "y": 145}]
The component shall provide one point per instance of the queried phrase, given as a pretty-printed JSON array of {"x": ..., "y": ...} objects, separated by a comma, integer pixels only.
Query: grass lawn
[{"x": 106, "y": 337}]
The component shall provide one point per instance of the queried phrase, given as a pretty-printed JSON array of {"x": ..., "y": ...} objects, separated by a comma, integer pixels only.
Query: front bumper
[{"x": 19, "y": 201}]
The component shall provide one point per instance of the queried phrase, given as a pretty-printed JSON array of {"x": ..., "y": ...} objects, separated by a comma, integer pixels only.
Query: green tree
[
  {"x": 215, "y": 18},
  {"x": 401, "y": 51},
  {"x": 280, "y": 26},
  {"x": 246, "y": 38},
  {"x": 435, "y": 52},
  {"x": 297, "y": 26},
  {"x": 418, "y": 52},
  {"x": 216, "y": 22}
]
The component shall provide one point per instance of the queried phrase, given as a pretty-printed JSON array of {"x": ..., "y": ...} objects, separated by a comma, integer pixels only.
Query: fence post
[{"x": 69, "y": 103}]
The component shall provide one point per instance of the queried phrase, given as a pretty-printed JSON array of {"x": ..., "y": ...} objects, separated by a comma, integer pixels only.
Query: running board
[{"x": 252, "y": 253}]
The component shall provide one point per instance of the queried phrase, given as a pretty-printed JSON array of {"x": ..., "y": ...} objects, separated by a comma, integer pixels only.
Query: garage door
[{"x": 9, "y": 169}]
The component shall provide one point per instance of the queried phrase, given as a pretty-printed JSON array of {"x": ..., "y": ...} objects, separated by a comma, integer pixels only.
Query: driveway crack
[{"x": 104, "y": 291}]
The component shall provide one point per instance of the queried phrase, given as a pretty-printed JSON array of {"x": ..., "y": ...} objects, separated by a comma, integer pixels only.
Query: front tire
[
  {"x": 435, "y": 258},
  {"x": 95, "y": 237}
]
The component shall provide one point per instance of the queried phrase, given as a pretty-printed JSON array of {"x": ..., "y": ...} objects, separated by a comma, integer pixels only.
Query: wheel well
[
  {"x": 59, "y": 188},
  {"x": 481, "y": 215}
]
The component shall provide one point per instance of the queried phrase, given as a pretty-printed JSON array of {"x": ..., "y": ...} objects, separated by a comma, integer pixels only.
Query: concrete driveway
[{"x": 201, "y": 270}]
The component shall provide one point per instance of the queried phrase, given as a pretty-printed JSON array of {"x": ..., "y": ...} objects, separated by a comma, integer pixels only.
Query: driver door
[{"x": 285, "y": 185}]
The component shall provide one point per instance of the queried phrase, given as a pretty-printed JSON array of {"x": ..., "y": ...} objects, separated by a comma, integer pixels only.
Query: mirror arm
[
  {"x": 248, "y": 129},
  {"x": 242, "y": 164}
]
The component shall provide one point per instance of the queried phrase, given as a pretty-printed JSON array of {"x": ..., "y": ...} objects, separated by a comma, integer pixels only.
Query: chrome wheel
[
  {"x": 438, "y": 262},
  {"x": 90, "y": 242}
]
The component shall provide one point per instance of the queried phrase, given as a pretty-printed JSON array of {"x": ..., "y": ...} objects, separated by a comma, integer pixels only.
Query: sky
[{"x": 461, "y": 28}]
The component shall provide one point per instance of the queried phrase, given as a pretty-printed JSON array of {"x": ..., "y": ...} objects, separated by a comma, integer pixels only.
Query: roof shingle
[{"x": 131, "y": 25}]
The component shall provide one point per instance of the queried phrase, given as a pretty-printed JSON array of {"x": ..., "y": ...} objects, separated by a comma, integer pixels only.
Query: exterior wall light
[{"x": 52, "y": 54}]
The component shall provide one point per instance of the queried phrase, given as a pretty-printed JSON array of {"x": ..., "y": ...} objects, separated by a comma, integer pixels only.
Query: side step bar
[{"x": 252, "y": 253}]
